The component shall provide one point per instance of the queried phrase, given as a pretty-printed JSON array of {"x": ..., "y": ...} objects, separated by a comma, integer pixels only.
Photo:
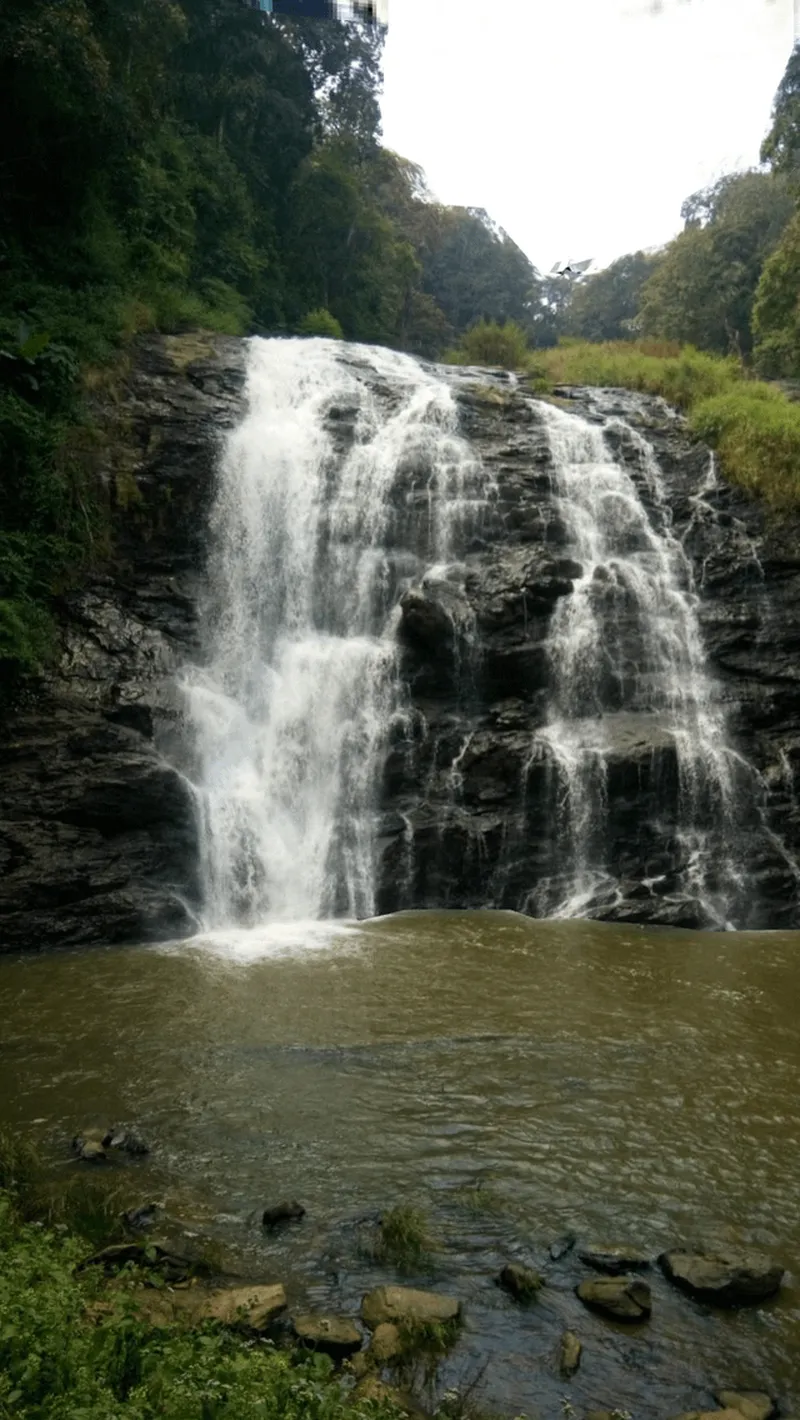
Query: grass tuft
[{"x": 403, "y": 1239}]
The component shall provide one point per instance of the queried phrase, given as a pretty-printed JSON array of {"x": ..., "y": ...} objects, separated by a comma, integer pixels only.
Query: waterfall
[
  {"x": 346, "y": 478},
  {"x": 627, "y": 659}
]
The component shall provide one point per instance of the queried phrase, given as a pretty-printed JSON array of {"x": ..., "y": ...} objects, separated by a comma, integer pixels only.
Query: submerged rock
[
  {"x": 522, "y": 1282},
  {"x": 334, "y": 1335},
  {"x": 406, "y": 1304},
  {"x": 728, "y": 1278},
  {"x": 286, "y": 1212},
  {"x": 561, "y": 1246},
  {"x": 623, "y": 1298},
  {"x": 569, "y": 1354},
  {"x": 614, "y": 1259}
]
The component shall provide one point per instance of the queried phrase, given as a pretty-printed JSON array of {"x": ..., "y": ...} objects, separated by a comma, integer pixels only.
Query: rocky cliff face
[{"x": 97, "y": 835}]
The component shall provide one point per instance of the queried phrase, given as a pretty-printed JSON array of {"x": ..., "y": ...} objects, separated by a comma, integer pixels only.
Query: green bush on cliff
[
  {"x": 321, "y": 322},
  {"x": 490, "y": 344}
]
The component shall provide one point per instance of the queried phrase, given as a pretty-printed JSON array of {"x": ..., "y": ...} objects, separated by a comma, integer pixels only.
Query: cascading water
[
  {"x": 626, "y": 656},
  {"x": 345, "y": 455}
]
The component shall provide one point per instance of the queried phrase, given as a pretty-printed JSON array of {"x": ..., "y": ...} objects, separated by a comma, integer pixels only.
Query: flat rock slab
[
  {"x": 615, "y": 1258},
  {"x": 623, "y": 1298},
  {"x": 403, "y": 1304},
  {"x": 728, "y": 1279},
  {"x": 337, "y": 1336},
  {"x": 522, "y": 1282},
  {"x": 752, "y": 1404},
  {"x": 569, "y": 1354},
  {"x": 255, "y": 1308}
]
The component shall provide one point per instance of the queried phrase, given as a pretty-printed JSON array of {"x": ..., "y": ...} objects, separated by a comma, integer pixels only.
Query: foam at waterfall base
[{"x": 270, "y": 941}]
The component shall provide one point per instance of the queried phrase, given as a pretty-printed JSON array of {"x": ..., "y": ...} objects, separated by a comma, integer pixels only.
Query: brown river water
[{"x": 516, "y": 1079}]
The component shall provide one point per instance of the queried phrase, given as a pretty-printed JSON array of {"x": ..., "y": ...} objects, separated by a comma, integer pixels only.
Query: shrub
[
  {"x": 491, "y": 344},
  {"x": 321, "y": 322}
]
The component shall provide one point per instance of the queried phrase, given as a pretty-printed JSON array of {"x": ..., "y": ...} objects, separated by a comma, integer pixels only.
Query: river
[{"x": 516, "y": 1079}]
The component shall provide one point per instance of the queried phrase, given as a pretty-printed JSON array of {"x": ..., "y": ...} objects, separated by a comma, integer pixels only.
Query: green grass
[
  {"x": 404, "y": 1239},
  {"x": 752, "y": 425},
  {"x": 61, "y": 1361}
]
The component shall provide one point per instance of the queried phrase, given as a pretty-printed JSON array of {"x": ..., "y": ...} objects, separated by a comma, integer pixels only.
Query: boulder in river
[
  {"x": 521, "y": 1282},
  {"x": 623, "y": 1298},
  {"x": 614, "y": 1259},
  {"x": 404, "y": 1305},
  {"x": 729, "y": 1278},
  {"x": 752, "y": 1404},
  {"x": 336, "y": 1336},
  {"x": 285, "y": 1212},
  {"x": 127, "y": 1141},
  {"x": 559, "y": 1247}
]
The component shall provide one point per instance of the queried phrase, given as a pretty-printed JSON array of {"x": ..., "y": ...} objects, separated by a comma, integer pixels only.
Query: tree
[
  {"x": 703, "y": 289},
  {"x": 781, "y": 147},
  {"x": 776, "y": 313},
  {"x": 605, "y": 306}
]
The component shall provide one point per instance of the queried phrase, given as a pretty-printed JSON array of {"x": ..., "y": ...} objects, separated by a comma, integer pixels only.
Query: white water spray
[
  {"x": 627, "y": 644},
  {"x": 291, "y": 710}
]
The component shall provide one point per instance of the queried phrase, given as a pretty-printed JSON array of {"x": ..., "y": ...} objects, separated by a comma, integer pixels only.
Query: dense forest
[{"x": 179, "y": 164}]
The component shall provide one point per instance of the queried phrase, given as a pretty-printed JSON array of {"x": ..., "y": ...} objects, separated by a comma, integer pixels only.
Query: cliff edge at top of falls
[{"x": 98, "y": 839}]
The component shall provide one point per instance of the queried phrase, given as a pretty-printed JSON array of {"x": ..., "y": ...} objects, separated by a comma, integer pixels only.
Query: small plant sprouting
[{"x": 403, "y": 1239}]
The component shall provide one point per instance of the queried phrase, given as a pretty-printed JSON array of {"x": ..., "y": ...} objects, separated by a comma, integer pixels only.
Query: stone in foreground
[
  {"x": 254, "y": 1308},
  {"x": 752, "y": 1404},
  {"x": 569, "y": 1354},
  {"x": 336, "y": 1336},
  {"x": 522, "y": 1282},
  {"x": 727, "y": 1279},
  {"x": 406, "y": 1304},
  {"x": 614, "y": 1259},
  {"x": 622, "y": 1298}
]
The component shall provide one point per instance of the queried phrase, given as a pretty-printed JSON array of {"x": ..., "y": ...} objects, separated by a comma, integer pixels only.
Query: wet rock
[
  {"x": 614, "y": 1259},
  {"x": 334, "y": 1335},
  {"x": 623, "y": 1298},
  {"x": 406, "y": 1304},
  {"x": 141, "y": 1218},
  {"x": 521, "y": 1282},
  {"x": 127, "y": 1141},
  {"x": 569, "y": 1354},
  {"x": 172, "y": 1266},
  {"x": 286, "y": 1212},
  {"x": 92, "y": 1151},
  {"x": 561, "y": 1246},
  {"x": 752, "y": 1404},
  {"x": 729, "y": 1278},
  {"x": 252, "y": 1308},
  {"x": 386, "y": 1343}
]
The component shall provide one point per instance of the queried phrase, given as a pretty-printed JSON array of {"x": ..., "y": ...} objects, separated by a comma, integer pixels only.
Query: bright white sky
[{"x": 581, "y": 125}]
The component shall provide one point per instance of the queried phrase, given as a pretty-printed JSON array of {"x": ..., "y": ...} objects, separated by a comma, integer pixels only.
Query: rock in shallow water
[
  {"x": 728, "y": 1279},
  {"x": 752, "y": 1404},
  {"x": 614, "y": 1259},
  {"x": 623, "y": 1298},
  {"x": 522, "y": 1282},
  {"x": 336, "y": 1336},
  {"x": 406, "y": 1304},
  {"x": 569, "y": 1354},
  {"x": 286, "y": 1212}
]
